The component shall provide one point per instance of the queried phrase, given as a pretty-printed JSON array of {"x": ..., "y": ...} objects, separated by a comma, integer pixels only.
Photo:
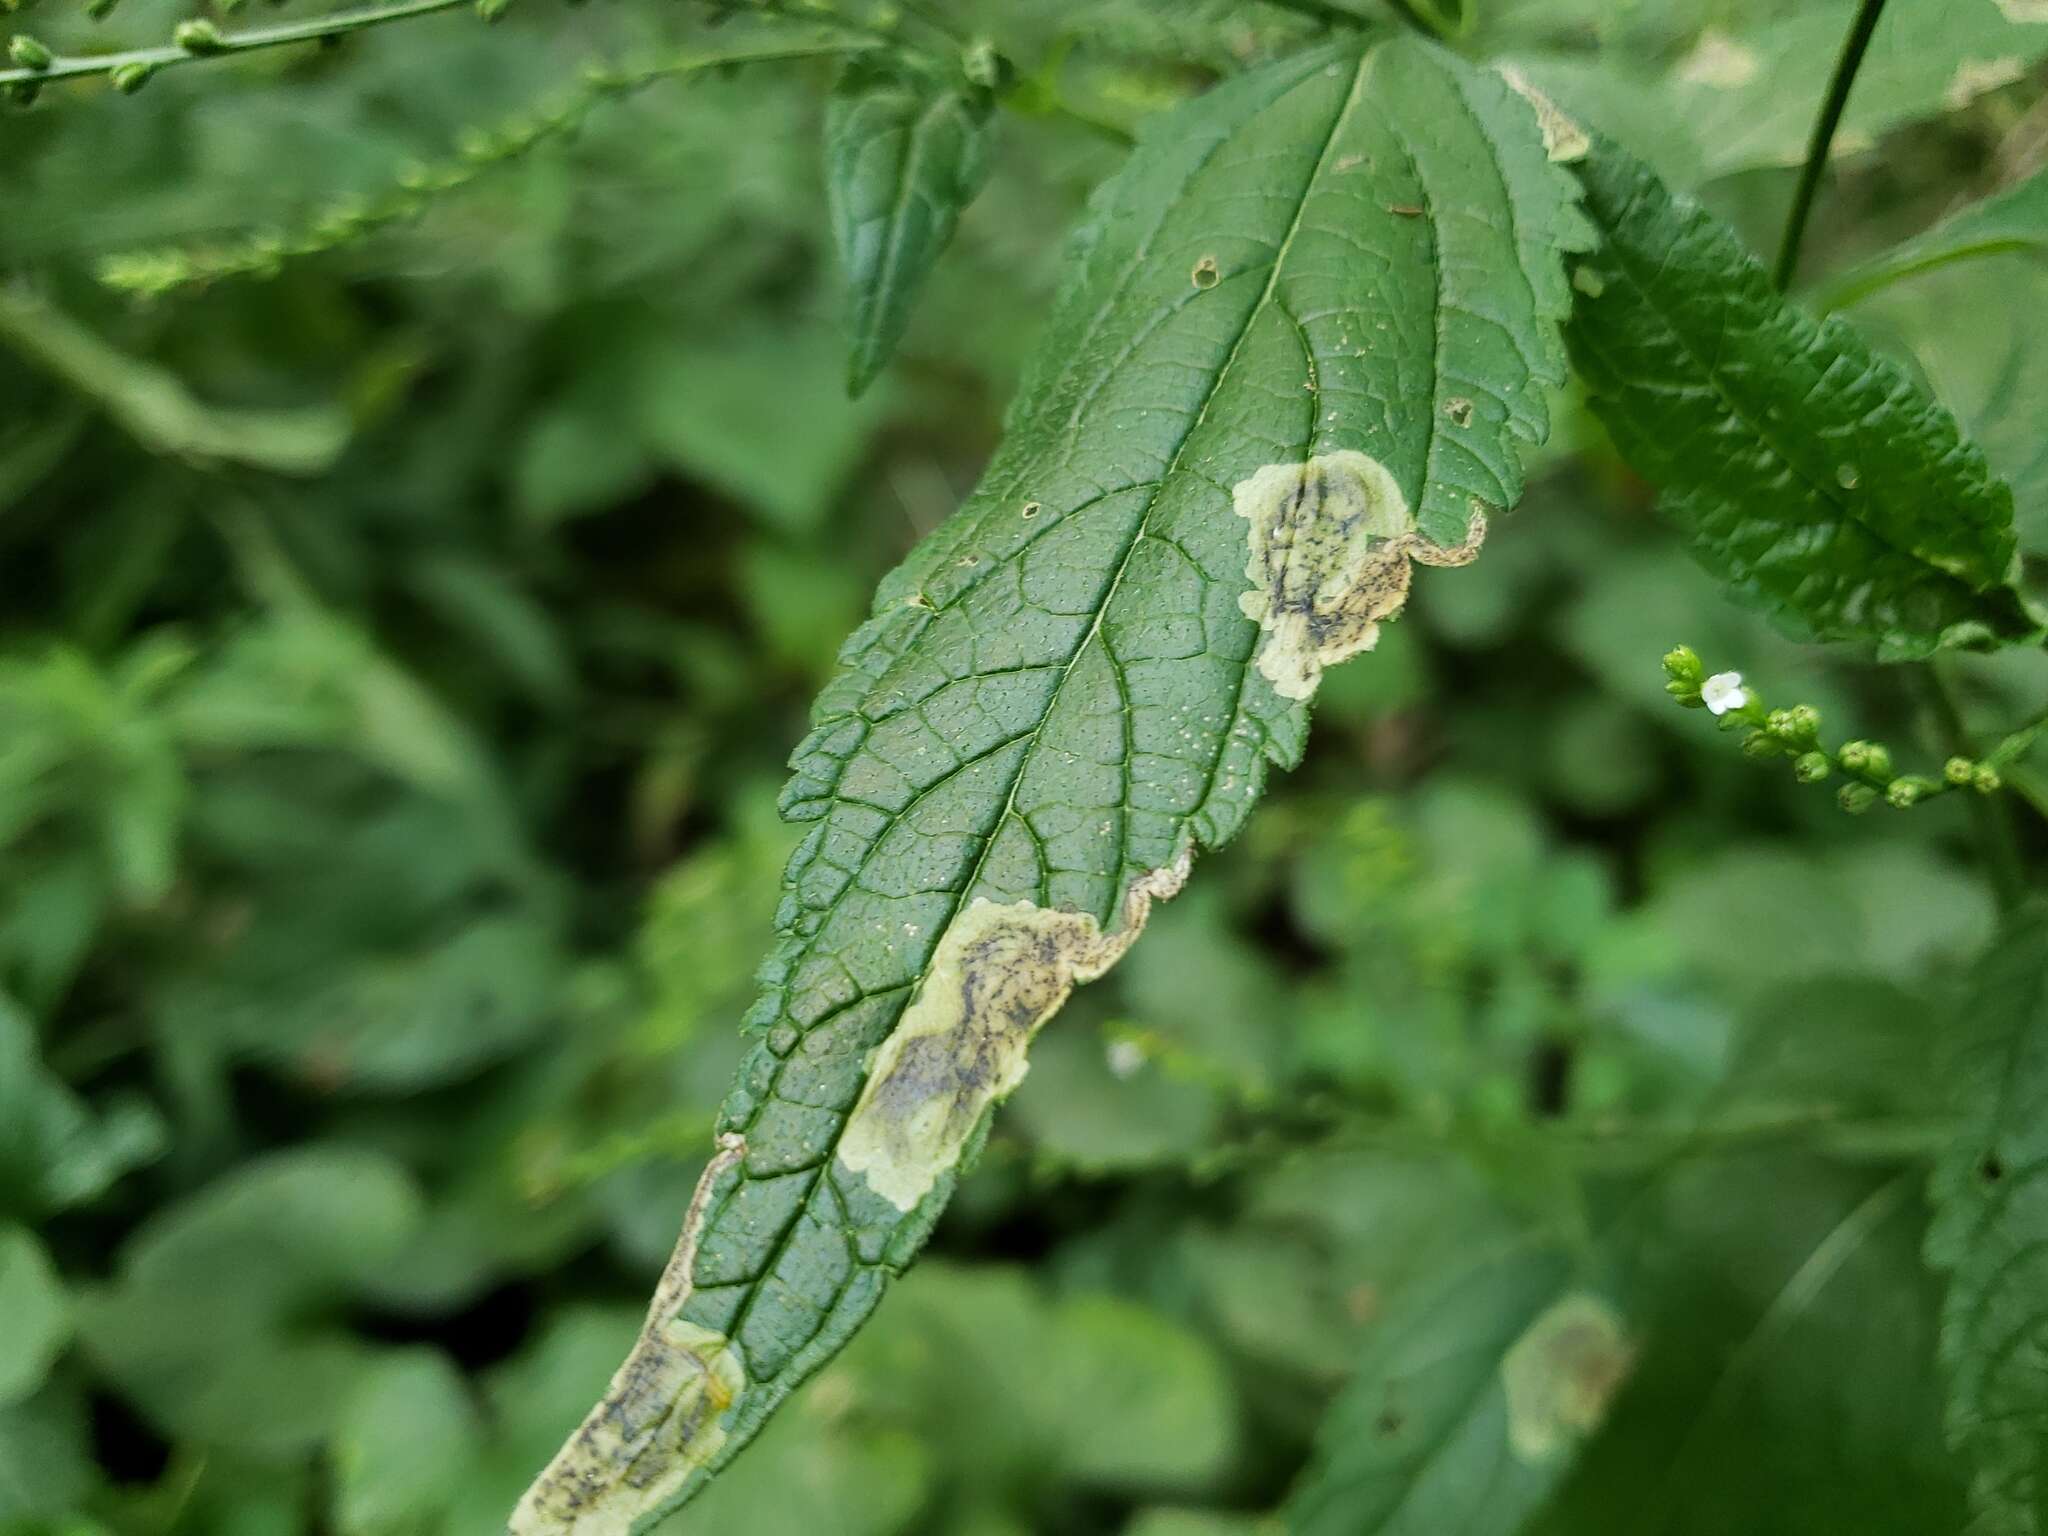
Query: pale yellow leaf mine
[
  {"x": 662, "y": 1417},
  {"x": 1332, "y": 541},
  {"x": 1561, "y": 1374},
  {"x": 1333, "y": 546},
  {"x": 1563, "y": 139},
  {"x": 998, "y": 974},
  {"x": 1719, "y": 62}
]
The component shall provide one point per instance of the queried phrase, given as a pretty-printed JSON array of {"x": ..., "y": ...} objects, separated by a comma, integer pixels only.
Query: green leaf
[
  {"x": 1991, "y": 1234},
  {"x": 55, "y": 1151},
  {"x": 1337, "y": 277},
  {"x": 1750, "y": 97},
  {"x": 215, "y": 1326},
  {"x": 1469, "y": 1404},
  {"x": 1812, "y": 476},
  {"x": 38, "y": 1314},
  {"x": 1744, "y": 97},
  {"x": 1785, "y": 1382},
  {"x": 1037, "y": 1391},
  {"x": 406, "y": 1437},
  {"x": 2015, "y": 219},
  {"x": 46, "y": 1463},
  {"x": 904, "y": 154},
  {"x": 1980, "y": 332}
]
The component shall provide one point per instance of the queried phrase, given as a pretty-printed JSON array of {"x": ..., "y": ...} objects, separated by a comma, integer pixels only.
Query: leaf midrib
[{"x": 781, "y": 1243}]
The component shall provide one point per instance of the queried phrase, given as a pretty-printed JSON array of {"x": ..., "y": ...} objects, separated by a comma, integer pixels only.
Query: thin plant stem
[
  {"x": 153, "y": 273},
  {"x": 313, "y": 30},
  {"x": 1851, "y": 60},
  {"x": 1991, "y": 815}
]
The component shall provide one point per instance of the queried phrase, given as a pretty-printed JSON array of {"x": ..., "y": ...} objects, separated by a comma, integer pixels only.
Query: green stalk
[
  {"x": 314, "y": 30},
  {"x": 1851, "y": 60},
  {"x": 1992, "y": 817}
]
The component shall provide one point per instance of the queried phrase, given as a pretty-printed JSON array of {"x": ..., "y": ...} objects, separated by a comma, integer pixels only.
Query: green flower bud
[
  {"x": 130, "y": 78},
  {"x": 1856, "y": 798},
  {"x": 1812, "y": 767},
  {"x": 1682, "y": 664},
  {"x": 1908, "y": 791},
  {"x": 1959, "y": 770},
  {"x": 1802, "y": 724},
  {"x": 1986, "y": 780},
  {"x": 1868, "y": 758},
  {"x": 1761, "y": 744},
  {"x": 28, "y": 52},
  {"x": 199, "y": 36}
]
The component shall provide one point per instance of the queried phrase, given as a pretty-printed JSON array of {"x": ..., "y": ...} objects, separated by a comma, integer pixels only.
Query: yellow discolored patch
[
  {"x": 2023, "y": 12},
  {"x": 661, "y": 1419},
  {"x": 1974, "y": 77},
  {"x": 1562, "y": 1373},
  {"x": 1563, "y": 139},
  {"x": 1717, "y": 60},
  {"x": 1333, "y": 543},
  {"x": 999, "y": 972}
]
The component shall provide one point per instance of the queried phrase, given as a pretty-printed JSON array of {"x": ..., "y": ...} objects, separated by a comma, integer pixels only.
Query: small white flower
[
  {"x": 1126, "y": 1058},
  {"x": 1723, "y": 692}
]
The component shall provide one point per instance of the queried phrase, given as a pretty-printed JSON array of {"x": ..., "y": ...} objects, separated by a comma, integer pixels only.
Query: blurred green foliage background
[{"x": 397, "y": 660}]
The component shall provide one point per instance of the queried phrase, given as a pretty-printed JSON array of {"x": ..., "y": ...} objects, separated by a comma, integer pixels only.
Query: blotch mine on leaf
[
  {"x": 1332, "y": 541},
  {"x": 662, "y": 1417},
  {"x": 999, "y": 972},
  {"x": 1719, "y": 61},
  {"x": 1562, "y": 1373},
  {"x": 1563, "y": 139}
]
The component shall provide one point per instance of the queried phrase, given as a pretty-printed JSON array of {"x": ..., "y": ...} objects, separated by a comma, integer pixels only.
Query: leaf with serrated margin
[
  {"x": 1469, "y": 1404},
  {"x": 905, "y": 152},
  {"x": 1323, "y": 295},
  {"x": 1990, "y": 1234},
  {"x": 1814, "y": 477}
]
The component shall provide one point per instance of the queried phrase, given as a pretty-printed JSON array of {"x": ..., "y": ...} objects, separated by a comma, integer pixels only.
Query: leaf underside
[
  {"x": 1816, "y": 478},
  {"x": 1351, "y": 256},
  {"x": 904, "y": 154},
  {"x": 1991, "y": 1234}
]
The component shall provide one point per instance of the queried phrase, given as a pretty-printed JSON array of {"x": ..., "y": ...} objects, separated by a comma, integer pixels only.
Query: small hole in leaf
[
  {"x": 1206, "y": 274},
  {"x": 1030, "y": 509},
  {"x": 1991, "y": 1169},
  {"x": 1389, "y": 1424},
  {"x": 1459, "y": 409}
]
